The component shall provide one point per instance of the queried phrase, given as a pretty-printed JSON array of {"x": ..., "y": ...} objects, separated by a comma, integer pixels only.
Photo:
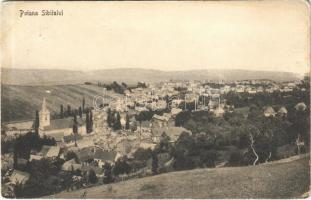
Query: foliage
[
  {"x": 75, "y": 125},
  {"x": 108, "y": 173},
  {"x": 235, "y": 159},
  {"x": 30, "y": 141},
  {"x": 155, "y": 166},
  {"x": 115, "y": 86},
  {"x": 61, "y": 111},
  {"x": 92, "y": 176},
  {"x": 147, "y": 115},
  {"x": 182, "y": 118},
  {"x": 37, "y": 186},
  {"x": 80, "y": 112},
  {"x": 37, "y": 123},
  {"x": 121, "y": 166},
  {"x": 69, "y": 110},
  {"x": 117, "y": 123},
  {"x": 89, "y": 121},
  {"x": 127, "y": 122},
  {"x": 183, "y": 151},
  {"x": 142, "y": 154},
  {"x": 109, "y": 117},
  {"x": 71, "y": 155},
  {"x": 164, "y": 146},
  {"x": 83, "y": 105},
  {"x": 208, "y": 158},
  {"x": 113, "y": 119}
]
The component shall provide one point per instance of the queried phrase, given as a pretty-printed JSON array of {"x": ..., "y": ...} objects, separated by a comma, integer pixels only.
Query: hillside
[
  {"x": 288, "y": 178},
  {"x": 57, "y": 77},
  {"x": 20, "y": 102}
]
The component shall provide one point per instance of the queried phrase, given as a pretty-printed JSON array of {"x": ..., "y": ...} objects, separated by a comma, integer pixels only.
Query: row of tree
[
  {"x": 115, "y": 86},
  {"x": 71, "y": 112},
  {"x": 114, "y": 120}
]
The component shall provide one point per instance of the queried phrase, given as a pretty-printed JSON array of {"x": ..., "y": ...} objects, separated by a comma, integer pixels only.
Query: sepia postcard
[{"x": 155, "y": 99}]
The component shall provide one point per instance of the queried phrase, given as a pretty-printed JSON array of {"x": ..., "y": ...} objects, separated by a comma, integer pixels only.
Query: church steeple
[
  {"x": 44, "y": 105},
  {"x": 44, "y": 115}
]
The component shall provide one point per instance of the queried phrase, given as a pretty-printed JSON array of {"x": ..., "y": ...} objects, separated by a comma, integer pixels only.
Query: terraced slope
[{"x": 20, "y": 102}]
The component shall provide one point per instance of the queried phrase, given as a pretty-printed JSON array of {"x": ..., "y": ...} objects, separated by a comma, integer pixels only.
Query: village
[{"x": 119, "y": 125}]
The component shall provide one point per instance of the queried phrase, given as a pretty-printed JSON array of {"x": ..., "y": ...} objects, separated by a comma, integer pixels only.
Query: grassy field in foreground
[{"x": 288, "y": 178}]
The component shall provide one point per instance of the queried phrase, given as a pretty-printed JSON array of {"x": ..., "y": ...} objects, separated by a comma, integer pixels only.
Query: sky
[{"x": 253, "y": 35}]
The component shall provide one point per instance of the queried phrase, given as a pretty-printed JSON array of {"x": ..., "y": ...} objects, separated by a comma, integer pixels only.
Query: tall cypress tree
[
  {"x": 87, "y": 122},
  {"x": 83, "y": 105},
  {"x": 154, "y": 164},
  {"x": 127, "y": 123},
  {"x": 61, "y": 111},
  {"x": 75, "y": 128},
  {"x": 80, "y": 112},
  {"x": 37, "y": 123},
  {"x": 68, "y": 110},
  {"x": 75, "y": 125},
  {"x": 91, "y": 121},
  {"x": 109, "y": 117},
  {"x": 117, "y": 122}
]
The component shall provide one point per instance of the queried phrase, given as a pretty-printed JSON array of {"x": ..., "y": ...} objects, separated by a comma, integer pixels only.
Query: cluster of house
[
  {"x": 92, "y": 157},
  {"x": 96, "y": 148},
  {"x": 282, "y": 111}
]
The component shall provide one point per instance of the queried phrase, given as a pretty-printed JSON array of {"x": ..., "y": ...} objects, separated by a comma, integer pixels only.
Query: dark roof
[
  {"x": 69, "y": 138},
  {"x": 96, "y": 153},
  {"x": 84, "y": 155},
  {"x": 63, "y": 123},
  {"x": 105, "y": 155}
]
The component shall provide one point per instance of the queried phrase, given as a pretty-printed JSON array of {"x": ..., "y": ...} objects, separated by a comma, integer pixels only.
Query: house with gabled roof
[
  {"x": 269, "y": 111},
  {"x": 301, "y": 106},
  {"x": 282, "y": 112},
  {"x": 96, "y": 154},
  {"x": 50, "y": 152}
]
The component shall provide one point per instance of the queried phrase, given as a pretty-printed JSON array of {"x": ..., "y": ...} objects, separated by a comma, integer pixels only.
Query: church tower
[{"x": 44, "y": 115}]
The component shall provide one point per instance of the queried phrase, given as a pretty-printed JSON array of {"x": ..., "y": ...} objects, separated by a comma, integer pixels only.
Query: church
[{"x": 57, "y": 128}]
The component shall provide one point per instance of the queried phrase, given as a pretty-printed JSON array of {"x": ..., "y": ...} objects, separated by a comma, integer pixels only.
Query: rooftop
[{"x": 63, "y": 123}]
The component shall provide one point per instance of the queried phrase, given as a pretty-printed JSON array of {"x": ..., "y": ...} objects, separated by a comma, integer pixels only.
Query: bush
[
  {"x": 208, "y": 158},
  {"x": 235, "y": 159},
  {"x": 71, "y": 155},
  {"x": 108, "y": 173},
  {"x": 142, "y": 154},
  {"x": 92, "y": 176},
  {"x": 121, "y": 167}
]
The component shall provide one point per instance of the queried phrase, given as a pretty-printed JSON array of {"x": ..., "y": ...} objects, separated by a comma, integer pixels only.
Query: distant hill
[
  {"x": 288, "y": 178},
  {"x": 57, "y": 77}
]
